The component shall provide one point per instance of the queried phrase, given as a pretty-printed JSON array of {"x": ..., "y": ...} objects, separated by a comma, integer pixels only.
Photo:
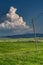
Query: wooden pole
[{"x": 34, "y": 34}]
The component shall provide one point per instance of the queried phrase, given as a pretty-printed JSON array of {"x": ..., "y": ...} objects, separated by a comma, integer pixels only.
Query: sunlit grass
[{"x": 21, "y": 52}]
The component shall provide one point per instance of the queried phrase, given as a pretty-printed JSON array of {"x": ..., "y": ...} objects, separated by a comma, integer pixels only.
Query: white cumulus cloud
[{"x": 15, "y": 22}]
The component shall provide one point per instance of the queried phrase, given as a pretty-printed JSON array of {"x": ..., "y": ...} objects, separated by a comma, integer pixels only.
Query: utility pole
[{"x": 36, "y": 45}]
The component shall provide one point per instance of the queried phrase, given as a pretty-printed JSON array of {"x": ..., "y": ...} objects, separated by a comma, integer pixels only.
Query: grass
[{"x": 20, "y": 52}]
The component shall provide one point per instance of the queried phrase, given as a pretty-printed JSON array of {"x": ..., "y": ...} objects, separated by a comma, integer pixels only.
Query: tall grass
[{"x": 21, "y": 53}]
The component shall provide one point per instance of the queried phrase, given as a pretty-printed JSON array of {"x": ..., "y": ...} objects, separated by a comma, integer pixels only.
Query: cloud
[{"x": 15, "y": 22}]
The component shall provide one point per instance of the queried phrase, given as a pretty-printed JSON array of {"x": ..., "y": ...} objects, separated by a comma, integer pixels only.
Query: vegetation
[{"x": 21, "y": 52}]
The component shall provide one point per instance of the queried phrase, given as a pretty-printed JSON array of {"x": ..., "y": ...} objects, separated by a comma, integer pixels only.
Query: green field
[{"x": 21, "y": 52}]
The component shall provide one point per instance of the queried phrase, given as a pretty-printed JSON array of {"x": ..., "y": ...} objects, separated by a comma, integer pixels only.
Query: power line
[{"x": 34, "y": 30}]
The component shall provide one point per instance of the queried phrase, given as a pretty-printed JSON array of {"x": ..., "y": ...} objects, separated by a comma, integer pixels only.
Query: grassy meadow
[{"x": 21, "y": 52}]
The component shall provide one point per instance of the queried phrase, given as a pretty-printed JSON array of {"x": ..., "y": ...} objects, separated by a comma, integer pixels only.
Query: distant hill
[{"x": 24, "y": 36}]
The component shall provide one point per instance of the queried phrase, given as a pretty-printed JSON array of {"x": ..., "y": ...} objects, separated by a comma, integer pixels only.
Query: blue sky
[{"x": 28, "y": 9}]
